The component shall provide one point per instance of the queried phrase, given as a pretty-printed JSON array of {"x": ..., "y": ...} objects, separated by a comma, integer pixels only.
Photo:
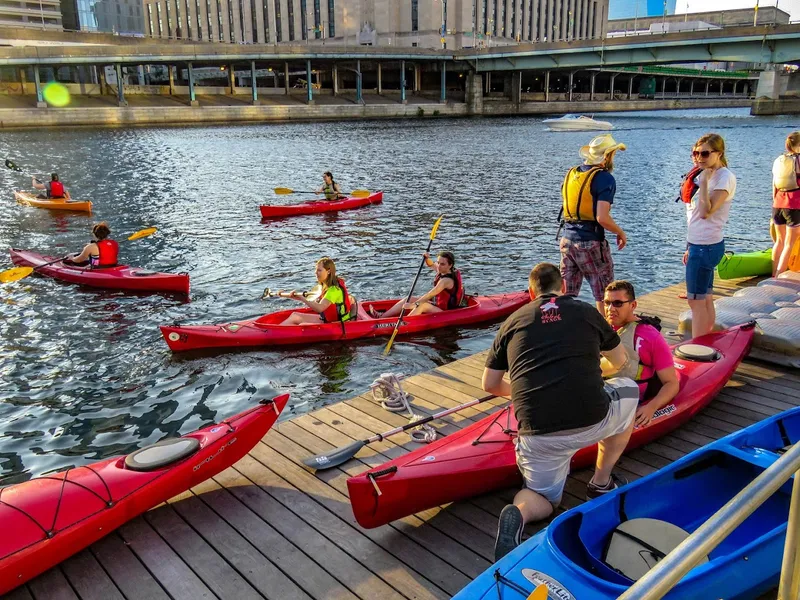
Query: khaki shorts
[{"x": 544, "y": 459}]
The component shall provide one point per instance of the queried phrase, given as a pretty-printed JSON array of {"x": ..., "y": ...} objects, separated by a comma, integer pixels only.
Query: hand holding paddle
[
  {"x": 413, "y": 285},
  {"x": 282, "y": 191},
  {"x": 17, "y": 273}
]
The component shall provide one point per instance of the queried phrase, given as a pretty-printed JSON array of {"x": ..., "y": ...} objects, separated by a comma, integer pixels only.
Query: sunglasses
[
  {"x": 704, "y": 153},
  {"x": 616, "y": 303}
]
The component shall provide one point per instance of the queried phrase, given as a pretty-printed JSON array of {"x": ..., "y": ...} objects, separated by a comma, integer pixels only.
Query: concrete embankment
[{"x": 21, "y": 111}]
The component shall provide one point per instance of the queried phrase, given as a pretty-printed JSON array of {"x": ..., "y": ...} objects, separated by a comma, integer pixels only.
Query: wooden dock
[{"x": 269, "y": 528}]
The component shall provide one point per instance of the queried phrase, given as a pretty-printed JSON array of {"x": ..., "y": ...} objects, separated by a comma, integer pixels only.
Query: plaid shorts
[{"x": 591, "y": 260}]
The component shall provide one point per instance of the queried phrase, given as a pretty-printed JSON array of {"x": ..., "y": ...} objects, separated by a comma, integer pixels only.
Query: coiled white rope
[{"x": 387, "y": 390}]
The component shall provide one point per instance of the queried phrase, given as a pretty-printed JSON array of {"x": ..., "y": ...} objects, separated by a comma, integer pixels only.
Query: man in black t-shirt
[{"x": 551, "y": 349}]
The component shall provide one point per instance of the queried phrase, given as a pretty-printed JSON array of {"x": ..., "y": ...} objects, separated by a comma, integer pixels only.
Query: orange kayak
[{"x": 67, "y": 203}]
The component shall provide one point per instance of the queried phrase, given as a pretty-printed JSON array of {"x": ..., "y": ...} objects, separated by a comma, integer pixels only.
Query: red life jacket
[
  {"x": 452, "y": 298},
  {"x": 56, "y": 189},
  {"x": 689, "y": 187},
  {"x": 109, "y": 252},
  {"x": 338, "y": 312}
]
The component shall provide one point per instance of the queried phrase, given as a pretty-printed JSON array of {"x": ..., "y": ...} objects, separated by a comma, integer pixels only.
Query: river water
[{"x": 85, "y": 374}]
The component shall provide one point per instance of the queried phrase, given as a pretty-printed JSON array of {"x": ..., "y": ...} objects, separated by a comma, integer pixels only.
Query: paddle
[
  {"x": 413, "y": 285},
  {"x": 334, "y": 458},
  {"x": 268, "y": 293},
  {"x": 10, "y": 164},
  {"x": 17, "y": 273},
  {"x": 282, "y": 191}
]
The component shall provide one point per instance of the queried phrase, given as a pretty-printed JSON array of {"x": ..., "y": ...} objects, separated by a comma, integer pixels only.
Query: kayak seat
[
  {"x": 697, "y": 352},
  {"x": 161, "y": 454},
  {"x": 637, "y": 545}
]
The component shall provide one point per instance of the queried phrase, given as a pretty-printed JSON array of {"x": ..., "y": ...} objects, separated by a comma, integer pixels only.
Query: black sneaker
[
  {"x": 509, "y": 531},
  {"x": 595, "y": 491}
]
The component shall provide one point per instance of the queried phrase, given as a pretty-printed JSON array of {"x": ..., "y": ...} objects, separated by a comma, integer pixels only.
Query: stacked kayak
[
  {"x": 66, "y": 203},
  {"x": 267, "y": 331},
  {"x": 600, "y": 548},
  {"x": 319, "y": 206},
  {"x": 121, "y": 277},
  {"x": 47, "y": 519},
  {"x": 748, "y": 264},
  {"x": 481, "y": 457}
]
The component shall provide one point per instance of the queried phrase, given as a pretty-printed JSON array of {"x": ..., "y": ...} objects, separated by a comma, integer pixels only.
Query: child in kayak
[
  {"x": 52, "y": 189},
  {"x": 447, "y": 292},
  {"x": 333, "y": 302},
  {"x": 100, "y": 252},
  {"x": 330, "y": 188}
]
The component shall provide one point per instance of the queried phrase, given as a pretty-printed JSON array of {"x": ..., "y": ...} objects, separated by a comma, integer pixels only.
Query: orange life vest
[
  {"x": 454, "y": 297},
  {"x": 689, "y": 187},
  {"x": 109, "y": 252}
]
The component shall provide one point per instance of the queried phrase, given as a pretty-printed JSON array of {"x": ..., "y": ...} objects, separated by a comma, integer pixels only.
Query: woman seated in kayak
[
  {"x": 52, "y": 189},
  {"x": 333, "y": 302},
  {"x": 99, "y": 253},
  {"x": 447, "y": 292},
  {"x": 330, "y": 188}
]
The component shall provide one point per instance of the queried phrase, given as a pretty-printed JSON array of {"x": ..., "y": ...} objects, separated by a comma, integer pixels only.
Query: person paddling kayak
[
  {"x": 330, "y": 188},
  {"x": 447, "y": 292},
  {"x": 100, "y": 252},
  {"x": 333, "y": 302},
  {"x": 52, "y": 189}
]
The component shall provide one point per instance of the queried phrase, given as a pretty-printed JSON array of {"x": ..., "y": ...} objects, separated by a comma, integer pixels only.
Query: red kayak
[
  {"x": 266, "y": 331},
  {"x": 481, "y": 457},
  {"x": 48, "y": 519},
  {"x": 319, "y": 206},
  {"x": 121, "y": 277}
]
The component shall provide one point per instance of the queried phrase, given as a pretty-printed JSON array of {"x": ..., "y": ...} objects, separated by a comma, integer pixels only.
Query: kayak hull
[
  {"x": 318, "y": 206},
  {"x": 266, "y": 331},
  {"x": 121, "y": 277},
  {"x": 481, "y": 458},
  {"x": 50, "y": 518},
  {"x": 747, "y": 264},
  {"x": 66, "y": 203},
  {"x": 568, "y": 556}
]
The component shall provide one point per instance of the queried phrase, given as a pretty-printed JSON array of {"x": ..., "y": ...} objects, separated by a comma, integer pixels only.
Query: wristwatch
[{"x": 416, "y": 304}]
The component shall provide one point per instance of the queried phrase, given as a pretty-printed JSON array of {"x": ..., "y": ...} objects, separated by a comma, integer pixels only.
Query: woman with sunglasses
[{"x": 706, "y": 215}]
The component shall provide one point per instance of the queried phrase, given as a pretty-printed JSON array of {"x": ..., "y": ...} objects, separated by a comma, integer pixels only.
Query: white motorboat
[{"x": 577, "y": 123}]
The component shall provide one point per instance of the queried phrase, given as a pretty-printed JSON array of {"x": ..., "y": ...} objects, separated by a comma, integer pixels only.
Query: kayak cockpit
[
  {"x": 679, "y": 500},
  {"x": 162, "y": 454}
]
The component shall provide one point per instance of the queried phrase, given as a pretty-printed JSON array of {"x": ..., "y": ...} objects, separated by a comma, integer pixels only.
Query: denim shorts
[{"x": 703, "y": 259}]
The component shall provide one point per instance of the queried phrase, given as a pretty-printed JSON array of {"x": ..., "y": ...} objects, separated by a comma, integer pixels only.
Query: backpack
[{"x": 784, "y": 176}]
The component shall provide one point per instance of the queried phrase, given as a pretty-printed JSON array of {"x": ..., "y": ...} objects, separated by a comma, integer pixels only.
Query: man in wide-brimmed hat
[{"x": 588, "y": 193}]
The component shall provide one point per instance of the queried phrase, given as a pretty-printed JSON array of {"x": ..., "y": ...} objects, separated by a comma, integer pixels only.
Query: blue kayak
[{"x": 597, "y": 550}]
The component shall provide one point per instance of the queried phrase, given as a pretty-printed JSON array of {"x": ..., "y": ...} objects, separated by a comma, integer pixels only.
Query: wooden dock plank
[
  {"x": 88, "y": 578},
  {"x": 128, "y": 573}
]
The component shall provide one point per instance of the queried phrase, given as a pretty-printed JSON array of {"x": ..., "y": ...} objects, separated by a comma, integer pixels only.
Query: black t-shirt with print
[{"x": 551, "y": 350}]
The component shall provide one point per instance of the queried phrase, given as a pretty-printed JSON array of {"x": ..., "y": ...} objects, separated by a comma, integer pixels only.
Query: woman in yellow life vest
[
  {"x": 333, "y": 302},
  {"x": 330, "y": 188},
  {"x": 587, "y": 195}
]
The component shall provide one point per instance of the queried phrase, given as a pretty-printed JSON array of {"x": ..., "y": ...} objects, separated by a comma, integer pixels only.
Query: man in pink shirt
[{"x": 650, "y": 361}]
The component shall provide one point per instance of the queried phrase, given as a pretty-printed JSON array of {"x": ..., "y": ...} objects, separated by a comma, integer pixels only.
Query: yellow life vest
[{"x": 578, "y": 204}]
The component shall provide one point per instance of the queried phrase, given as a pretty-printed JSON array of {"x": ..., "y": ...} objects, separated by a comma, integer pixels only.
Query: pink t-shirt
[{"x": 653, "y": 350}]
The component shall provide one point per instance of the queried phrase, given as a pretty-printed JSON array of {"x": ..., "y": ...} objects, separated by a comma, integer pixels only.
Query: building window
[
  {"x": 331, "y": 19},
  {"x": 290, "y": 4},
  {"x": 503, "y": 19},
  {"x": 514, "y": 19},
  {"x": 265, "y": 10},
  {"x": 278, "y": 28},
  {"x": 254, "y": 20},
  {"x": 303, "y": 20},
  {"x": 169, "y": 20},
  {"x": 241, "y": 21},
  {"x": 160, "y": 24},
  {"x": 221, "y": 33},
  {"x": 150, "y": 19},
  {"x": 317, "y": 20},
  {"x": 199, "y": 20},
  {"x": 178, "y": 28},
  {"x": 414, "y": 15},
  {"x": 231, "y": 28}
]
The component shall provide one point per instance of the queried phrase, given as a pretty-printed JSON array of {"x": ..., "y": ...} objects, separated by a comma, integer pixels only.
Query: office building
[
  {"x": 40, "y": 15},
  {"x": 125, "y": 17},
  {"x": 629, "y": 9}
]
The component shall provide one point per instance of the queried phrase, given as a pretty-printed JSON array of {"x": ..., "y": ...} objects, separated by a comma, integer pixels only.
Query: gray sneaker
[
  {"x": 509, "y": 531},
  {"x": 595, "y": 491}
]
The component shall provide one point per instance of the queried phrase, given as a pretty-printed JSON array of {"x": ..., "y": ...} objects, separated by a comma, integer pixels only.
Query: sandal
[{"x": 373, "y": 313}]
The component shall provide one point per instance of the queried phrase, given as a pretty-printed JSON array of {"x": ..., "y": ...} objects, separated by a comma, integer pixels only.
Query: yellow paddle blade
[
  {"x": 391, "y": 341},
  {"x": 540, "y": 593},
  {"x": 15, "y": 274},
  {"x": 436, "y": 227},
  {"x": 283, "y": 191},
  {"x": 142, "y": 233},
  {"x": 359, "y": 193}
]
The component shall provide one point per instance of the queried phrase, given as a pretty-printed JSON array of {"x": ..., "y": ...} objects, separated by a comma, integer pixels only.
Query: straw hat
[{"x": 597, "y": 150}]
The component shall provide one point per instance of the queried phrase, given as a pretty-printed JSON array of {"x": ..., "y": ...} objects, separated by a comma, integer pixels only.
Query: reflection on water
[{"x": 85, "y": 374}]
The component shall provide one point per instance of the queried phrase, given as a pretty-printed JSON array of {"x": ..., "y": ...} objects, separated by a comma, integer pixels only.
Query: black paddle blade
[
  {"x": 10, "y": 165},
  {"x": 334, "y": 458}
]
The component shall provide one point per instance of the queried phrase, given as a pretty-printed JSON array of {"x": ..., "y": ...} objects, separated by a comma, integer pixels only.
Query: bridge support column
[
  {"x": 591, "y": 88},
  {"x": 547, "y": 86},
  {"x": 403, "y": 82},
  {"x": 417, "y": 78},
  {"x": 569, "y": 85},
  {"x": 516, "y": 88},
  {"x": 678, "y": 86},
  {"x": 664, "y": 88},
  {"x": 37, "y": 82},
  {"x": 335, "y": 80},
  {"x": 735, "y": 84},
  {"x": 474, "y": 95},
  {"x": 443, "y": 84},
  {"x": 286, "y": 78},
  {"x": 359, "y": 90},
  {"x": 171, "y": 74},
  {"x": 23, "y": 79},
  {"x": 120, "y": 86},
  {"x": 630, "y": 87},
  {"x": 231, "y": 79},
  {"x": 380, "y": 79},
  {"x": 611, "y": 87},
  {"x": 309, "y": 84},
  {"x": 190, "y": 74},
  {"x": 691, "y": 88},
  {"x": 707, "y": 84},
  {"x": 253, "y": 81}
]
